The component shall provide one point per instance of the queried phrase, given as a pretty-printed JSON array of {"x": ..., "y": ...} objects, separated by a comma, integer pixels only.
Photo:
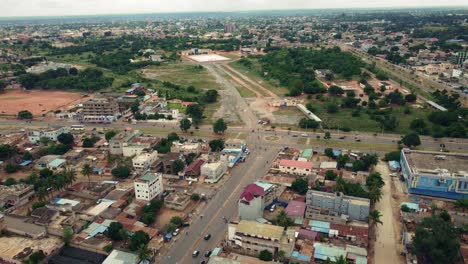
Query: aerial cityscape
[{"x": 233, "y": 132}]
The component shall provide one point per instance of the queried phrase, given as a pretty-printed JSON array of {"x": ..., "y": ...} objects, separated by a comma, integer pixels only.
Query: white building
[
  {"x": 144, "y": 160},
  {"x": 213, "y": 171},
  {"x": 148, "y": 186},
  {"x": 51, "y": 134}
]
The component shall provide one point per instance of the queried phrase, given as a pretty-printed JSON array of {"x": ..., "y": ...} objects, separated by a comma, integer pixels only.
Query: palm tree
[
  {"x": 375, "y": 194},
  {"x": 144, "y": 253},
  {"x": 374, "y": 219},
  {"x": 341, "y": 260},
  {"x": 87, "y": 170},
  {"x": 70, "y": 176},
  {"x": 41, "y": 194}
]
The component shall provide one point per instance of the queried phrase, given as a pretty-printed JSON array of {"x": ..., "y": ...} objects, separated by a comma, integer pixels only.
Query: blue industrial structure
[{"x": 436, "y": 174}]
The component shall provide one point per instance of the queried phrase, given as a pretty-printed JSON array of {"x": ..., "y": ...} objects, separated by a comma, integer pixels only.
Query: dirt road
[
  {"x": 386, "y": 248},
  {"x": 256, "y": 84}
]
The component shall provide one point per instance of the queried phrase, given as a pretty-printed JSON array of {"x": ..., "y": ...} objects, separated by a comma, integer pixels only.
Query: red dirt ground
[{"x": 37, "y": 102}]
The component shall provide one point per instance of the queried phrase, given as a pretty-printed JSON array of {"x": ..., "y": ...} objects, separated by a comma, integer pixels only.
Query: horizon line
[{"x": 235, "y": 11}]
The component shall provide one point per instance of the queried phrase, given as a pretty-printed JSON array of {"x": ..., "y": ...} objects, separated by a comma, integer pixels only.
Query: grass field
[
  {"x": 255, "y": 75},
  {"x": 182, "y": 73}
]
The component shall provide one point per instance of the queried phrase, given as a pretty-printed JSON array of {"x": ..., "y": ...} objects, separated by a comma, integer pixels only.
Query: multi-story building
[
  {"x": 251, "y": 237},
  {"x": 51, "y": 134},
  {"x": 14, "y": 196},
  {"x": 144, "y": 160},
  {"x": 296, "y": 167},
  {"x": 354, "y": 207},
  {"x": 213, "y": 171},
  {"x": 119, "y": 141},
  {"x": 250, "y": 202},
  {"x": 100, "y": 110},
  {"x": 435, "y": 174},
  {"x": 148, "y": 186}
]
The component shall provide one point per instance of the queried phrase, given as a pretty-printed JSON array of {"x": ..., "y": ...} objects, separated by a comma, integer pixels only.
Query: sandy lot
[
  {"x": 386, "y": 249},
  {"x": 208, "y": 58},
  {"x": 37, "y": 102},
  {"x": 12, "y": 246}
]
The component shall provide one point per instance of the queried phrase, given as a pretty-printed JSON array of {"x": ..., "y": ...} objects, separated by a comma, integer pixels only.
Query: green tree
[
  {"x": 216, "y": 145},
  {"x": 410, "y": 98},
  {"x": 185, "y": 124},
  {"x": 335, "y": 90},
  {"x": 332, "y": 108},
  {"x": 329, "y": 152},
  {"x": 67, "y": 235},
  {"x": 330, "y": 175},
  {"x": 195, "y": 197},
  {"x": 374, "y": 218},
  {"x": 11, "y": 168},
  {"x": 138, "y": 239},
  {"x": 418, "y": 125},
  {"x": 411, "y": 140},
  {"x": 177, "y": 166},
  {"x": 144, "y": 254},
  {"x": 86, "y": 171},
  {"x": 36, "y": 257},
  {"x": 394, "y": 155},
  {"x": 300, "y": 185},
  {"x": 66, "y": 138},
  {"x": 88, "y": 142},
  {"x": 9, "y": 182},
  {"x": 113, "y": 231},
  {"x": 436, "y": 241},
  {"x": 283, "y": 220},
  {"x": 176, "y": 220},
  {"x": 195, "y": 111},
  {"x": 121, "y": 172},
  {"x": 211, "y": 96},
  {"x": 461, "y": 204},
  {"x": 25, "y": 114},
  {"x": 38, "y": 205},
  {"x": 327, "y": 135},
  {"x": 110, "y": 134},
  {"x": 265, "y": 255},
  {"x": 219, "y": 126},
  {"x": 27, "y": 155}
]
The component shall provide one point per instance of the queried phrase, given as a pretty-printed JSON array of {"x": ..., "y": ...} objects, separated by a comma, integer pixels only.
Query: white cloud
[{"x": 84, "y": 7}]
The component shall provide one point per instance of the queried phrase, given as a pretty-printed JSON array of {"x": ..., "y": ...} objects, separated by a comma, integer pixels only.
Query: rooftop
[
  {"x": 251, "y": 191},
  {"x": 120, "y": 257},
  {"x": 148, "y": 177},
  {"x": 57, "y": 162},
  {"x": 260, "y": 230},
  {"x": 295, "y": 208},
  {"x": 296, "y": 163},
  {"x": 432, "y": 161}
]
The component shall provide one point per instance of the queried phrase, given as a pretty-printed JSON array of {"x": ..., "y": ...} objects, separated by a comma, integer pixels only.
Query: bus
[{"x": 77, "y": 127}]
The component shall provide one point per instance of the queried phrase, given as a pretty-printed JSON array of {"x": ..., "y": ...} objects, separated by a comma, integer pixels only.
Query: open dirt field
[
  {"x": 208, "y": 58},
  {"x": 37, "y": 102}
]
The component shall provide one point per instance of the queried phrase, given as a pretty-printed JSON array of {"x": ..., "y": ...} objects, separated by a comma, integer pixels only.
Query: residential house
[
  {"x": 251, "y": 203},
  {"x": 296, "y": 210},
  {"x": 14, "y": 196},
  {"x": 177, "y": 201},
  {"x": 295, "y": 167},
  {"x": 51, "y": 134},
  {"x": 213, "y": 171},
  {"x": 145, "y": 160},
  {"x": 250, "y": 238},
  {"x": 354, "y": 207},
  {"x": 148, "y": 187}
]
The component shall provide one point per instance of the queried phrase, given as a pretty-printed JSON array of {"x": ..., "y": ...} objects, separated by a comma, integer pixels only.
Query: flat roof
[
  {"x": 57, "y": 162},
  {"x": 148, "y": 177},
  {"x": 121, "y": 257},
  {"x": 428, "y": 160},
  {"x": 261, "y": 230}
]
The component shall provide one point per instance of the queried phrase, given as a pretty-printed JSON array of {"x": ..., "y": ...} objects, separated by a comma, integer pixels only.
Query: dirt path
[
  {"x": 239, "y": 81},
  {"x": 386, "y": 247},
  {"x": 261, "y": 87}
]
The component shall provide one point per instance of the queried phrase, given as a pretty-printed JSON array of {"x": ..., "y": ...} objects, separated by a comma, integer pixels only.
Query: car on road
[
  {"x": 207, "y": 237},
  {"x": 272, "y": 208},
  {"x": 343, "y": 137},
  {"x": 358, "y": 140},
  {"x": 304, "y": 135},
  {"x": 176, "y": 232},
  {"x": 208, "y": 253},
  {"x": 295, "y": 135},
  {"x": 195, "y": 253}
]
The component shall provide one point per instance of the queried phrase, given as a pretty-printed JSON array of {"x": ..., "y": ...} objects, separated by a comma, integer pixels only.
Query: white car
[
  {"x": 176, "y": 232},
  {"x": 304, "y": 135}
]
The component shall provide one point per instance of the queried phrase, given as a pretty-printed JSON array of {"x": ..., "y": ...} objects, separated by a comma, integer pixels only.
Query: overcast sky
[{"x": 10, "y": 8}]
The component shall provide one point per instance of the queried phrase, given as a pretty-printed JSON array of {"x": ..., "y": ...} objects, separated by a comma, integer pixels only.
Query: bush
[
  {"x": 300, "y": 185},
  {"x": 9, "y": 182},
  {"x": 12, "y": 168},
  {"x": 195, "y": 197},
  {"x": 25, "y": 114},
  {"x": 38, "y": 204},
  {"x": 265, "y": 255}
]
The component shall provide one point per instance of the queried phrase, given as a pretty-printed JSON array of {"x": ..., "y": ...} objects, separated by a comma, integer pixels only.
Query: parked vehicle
[
  {"x": 207, "y": 237},
  {"x": 195, "y": 253}
]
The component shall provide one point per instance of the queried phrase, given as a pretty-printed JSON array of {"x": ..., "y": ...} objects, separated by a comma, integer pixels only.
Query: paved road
[
  {"x": 287, "y": 138},
  {"x": 224, "y": 203}
]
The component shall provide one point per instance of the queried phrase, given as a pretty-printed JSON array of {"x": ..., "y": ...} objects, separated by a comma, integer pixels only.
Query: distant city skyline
[{"x": 19, "y": 8}]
